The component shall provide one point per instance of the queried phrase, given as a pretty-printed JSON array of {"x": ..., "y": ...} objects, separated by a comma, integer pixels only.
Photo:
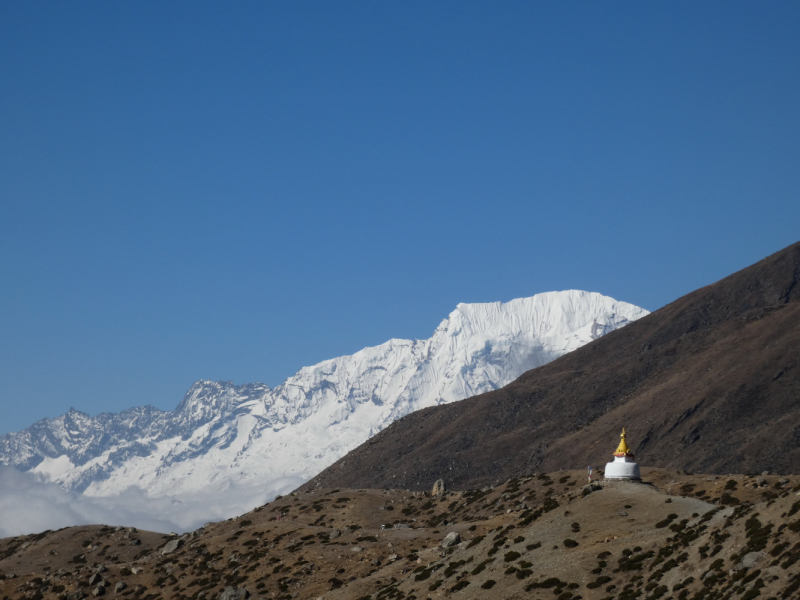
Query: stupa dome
[{"x": 623, "y": 466}]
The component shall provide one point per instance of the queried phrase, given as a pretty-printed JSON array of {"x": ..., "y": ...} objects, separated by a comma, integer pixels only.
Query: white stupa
[{"x": 623, "y": 466}]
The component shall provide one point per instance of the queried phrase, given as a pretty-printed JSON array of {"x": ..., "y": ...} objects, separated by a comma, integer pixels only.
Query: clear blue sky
[{"x": 233, "y": 190}]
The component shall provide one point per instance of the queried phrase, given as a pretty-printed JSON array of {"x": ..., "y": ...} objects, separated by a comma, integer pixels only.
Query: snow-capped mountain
[{"x": 260, "y": 439}]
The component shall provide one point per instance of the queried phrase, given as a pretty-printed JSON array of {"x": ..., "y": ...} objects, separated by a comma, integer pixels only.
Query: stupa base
[{"x": 619, "y": 470}]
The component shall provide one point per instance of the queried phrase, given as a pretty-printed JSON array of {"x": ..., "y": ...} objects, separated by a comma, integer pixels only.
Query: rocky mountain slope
[
  {"x": 546, "y": 536},
  {"x": 709, "y": 383},
  {"x": 260, "y": 440}
]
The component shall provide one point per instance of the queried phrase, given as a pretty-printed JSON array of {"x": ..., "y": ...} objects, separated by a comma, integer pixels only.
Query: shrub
[{"x": 533, "y": 546}]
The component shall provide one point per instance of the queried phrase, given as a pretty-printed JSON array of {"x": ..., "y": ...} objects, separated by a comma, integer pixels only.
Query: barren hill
[
  {"x": 540, "y": 537},
  {"x": 709, "y": 383}
]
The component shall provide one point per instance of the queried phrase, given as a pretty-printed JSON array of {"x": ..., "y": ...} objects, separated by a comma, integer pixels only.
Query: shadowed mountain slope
[{"x": 709, "y": 383}]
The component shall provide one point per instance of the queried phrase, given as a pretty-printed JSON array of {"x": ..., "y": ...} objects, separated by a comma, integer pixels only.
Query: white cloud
[{"x": 29, "y": 505}]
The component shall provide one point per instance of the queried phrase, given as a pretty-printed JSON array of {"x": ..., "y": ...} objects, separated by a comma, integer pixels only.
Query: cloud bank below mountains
[{"x": 29, "y": 505}]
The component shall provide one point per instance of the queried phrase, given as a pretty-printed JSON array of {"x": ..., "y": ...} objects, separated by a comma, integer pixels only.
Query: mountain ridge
[
  {"x": 223, "y": 435},
  {"x": 708, "y": 383}
]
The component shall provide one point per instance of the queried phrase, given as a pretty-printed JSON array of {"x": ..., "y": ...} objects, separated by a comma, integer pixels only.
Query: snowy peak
[
  {"x": 207, "y": 400},
  {"x": 223, "y": 435}
]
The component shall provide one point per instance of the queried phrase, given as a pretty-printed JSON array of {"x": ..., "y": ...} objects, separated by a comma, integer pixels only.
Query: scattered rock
[
  {"x": 99, "y": 591},
  {"x": 234, "y": 593},
  {"x": 761, "y": 481},
  {"x": 121, "y": 585},
  {"x": 136, "y": 570},
  {"x": 438, "y": 488},
  {"x": 356, "y": 549},
  {"x": 136, "y": 542},
  {"x": 334, "y": 534},
  {"x": 451, "y": 539},
  {"x": 591, "y": 487},
  {"x": 751, "y": 558},
  {"x": 171, "y": 546},
  {"x": 95, "y": 579},
  {"x": 764, "y": 473}
]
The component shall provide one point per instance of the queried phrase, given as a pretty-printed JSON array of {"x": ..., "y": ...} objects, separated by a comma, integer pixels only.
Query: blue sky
[{"x": 231, "y": 191}]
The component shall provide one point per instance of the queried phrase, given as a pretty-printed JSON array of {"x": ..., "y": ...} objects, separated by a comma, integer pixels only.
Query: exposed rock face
[{"x": 709, "y": 383}]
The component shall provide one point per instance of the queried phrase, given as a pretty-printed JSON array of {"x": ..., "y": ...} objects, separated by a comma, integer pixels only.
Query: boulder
[
  {"x": 438, "y": 487},
  {"x": 451, "y": 539},
  {"x": 94, "y": 579},
  {"x": 171, "y": 546},
  {"x": 121, "y": 585},
  {"x": 334, "y": 534},
  {"x": 234, "y": 593},
  {"x": 751, "y": 558}
]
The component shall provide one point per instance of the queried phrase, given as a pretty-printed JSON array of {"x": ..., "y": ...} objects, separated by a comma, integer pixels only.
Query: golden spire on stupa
[{"x": 622, "y": 449}]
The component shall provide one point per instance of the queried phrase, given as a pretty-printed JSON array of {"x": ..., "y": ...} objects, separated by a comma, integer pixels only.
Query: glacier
[{"x": 250, "y": 442}]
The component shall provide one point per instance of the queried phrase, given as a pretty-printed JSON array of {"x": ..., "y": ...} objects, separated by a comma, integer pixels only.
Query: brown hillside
[
  {"x": 544, "y": 538},
  {"x": 709, "y": 383}
]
